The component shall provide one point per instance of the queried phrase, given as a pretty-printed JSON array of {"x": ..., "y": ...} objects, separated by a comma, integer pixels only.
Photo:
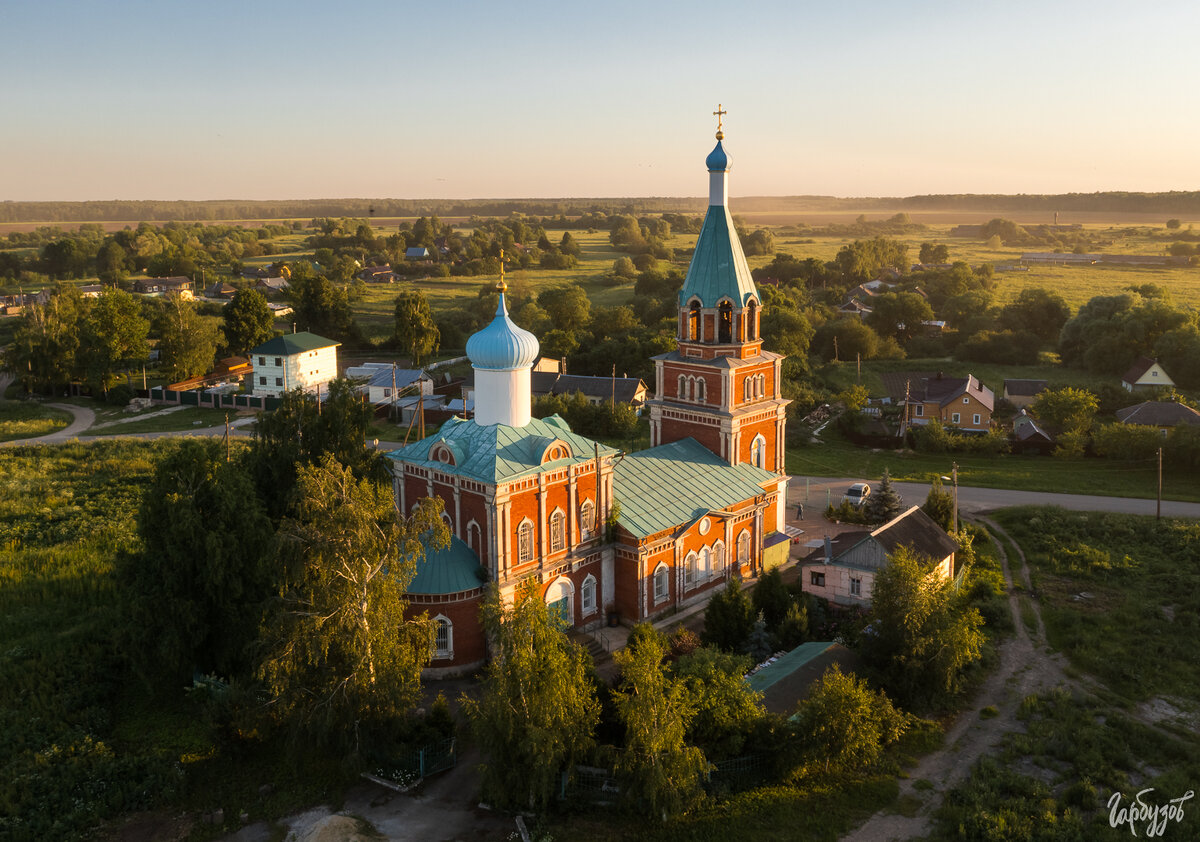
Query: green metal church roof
[
  {"x": 498, "y": 452},
  {"x": 676, "y": 484},
  {"x": 447, "y": 571},
  {"x": 718, "y": 269},
  {"x": 293, "y": 343}
]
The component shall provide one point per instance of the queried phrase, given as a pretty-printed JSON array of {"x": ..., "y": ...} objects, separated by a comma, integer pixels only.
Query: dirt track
[{"x": 1027, "y": 666}]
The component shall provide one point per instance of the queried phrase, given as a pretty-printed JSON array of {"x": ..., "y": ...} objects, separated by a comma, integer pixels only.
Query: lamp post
[{"x": 954, "y": 478}]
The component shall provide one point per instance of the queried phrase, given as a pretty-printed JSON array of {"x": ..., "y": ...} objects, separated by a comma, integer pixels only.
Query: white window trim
[
  {"x": 660, "y": 574},
  {"x": 743, "y": 547},
  {"x": 977, "y": 418},
  {"x": 442, "y": 621},
  {"x": 758, "y": 452},
  {"x": 569, "y": 586},
  {"x": 587, "y": 515},
  {"x": 954, "y": 418},
  {"x": 521, "y": 559},
  {"x": 588, "y": 588},
  {"x": 558, "y": 530}
]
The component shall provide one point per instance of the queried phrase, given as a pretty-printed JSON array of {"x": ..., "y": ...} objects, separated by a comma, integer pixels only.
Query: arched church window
[
  {"x": 682, "y": 390},
  {"x": 718, "y": 558},
  {"x": 704, "y": 564},
  {"x": 443, "y": 641},
  {"x": 758, "y": 452},
  {"x": 689, "y": 570},
  {"x": 701, "y": 389},
  {"x": 743, "y": 548},
  {"x": 587, "y": 595},
  {"x": 558, "y": 540},
  {"x": 587, "y": 523},
  {"x": 661, "y": 583},
  {"x": 752, "y": 321},
  {"x": 747, "y": 388},
  {"x": 693, "y": 321},
  {"x": 474, "y": 537},
  {"x": 725, "y": 322},
  {"x": 761, "y": 385},
  {"x": 525, "y": 542}
]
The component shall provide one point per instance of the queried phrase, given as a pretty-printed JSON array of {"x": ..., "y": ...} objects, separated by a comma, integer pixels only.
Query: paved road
[{"x": 822, "y": 489}]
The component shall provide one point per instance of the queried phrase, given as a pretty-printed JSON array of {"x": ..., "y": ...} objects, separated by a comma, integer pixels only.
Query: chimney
[{"x": 828, "y": 550}]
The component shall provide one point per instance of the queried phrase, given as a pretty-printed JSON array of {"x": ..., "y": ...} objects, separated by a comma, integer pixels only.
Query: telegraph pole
[{"x": 1158, "y": 507}]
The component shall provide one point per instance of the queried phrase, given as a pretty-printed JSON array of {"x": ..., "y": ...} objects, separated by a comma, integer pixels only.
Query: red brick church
[{"x": 529, "y": 499}]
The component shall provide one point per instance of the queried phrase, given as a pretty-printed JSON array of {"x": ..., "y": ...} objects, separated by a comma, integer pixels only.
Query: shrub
[{"x": 119, "y": 395}]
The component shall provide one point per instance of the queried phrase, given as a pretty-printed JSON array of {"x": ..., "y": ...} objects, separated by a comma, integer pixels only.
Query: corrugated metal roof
[
  {"x": 498, "y": 452},
  {"x": 718, "y": 269},
  {"x": 675, "y": 484},
  {"x": 446, "y": 571},
  {"x": 294, "y": 343}
]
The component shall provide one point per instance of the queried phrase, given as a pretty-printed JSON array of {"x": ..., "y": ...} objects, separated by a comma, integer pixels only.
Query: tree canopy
[
  {"x": 343, "y": 659},
  {"x": 922, "y": 632},
  {"x": 247, "y": 321},
  {"x": 194, "y": 593},
  {"x": 537, "y": 714},
  {"x": 662, "y": 773}
]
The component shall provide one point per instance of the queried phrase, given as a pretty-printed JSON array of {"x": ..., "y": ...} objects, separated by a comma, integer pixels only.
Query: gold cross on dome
[
  {"x": 719, "y": 114},
  {"x": 500, "y": 285}
]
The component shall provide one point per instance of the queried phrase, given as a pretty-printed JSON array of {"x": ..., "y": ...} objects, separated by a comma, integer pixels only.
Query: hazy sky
[{"x": 211, "y": 99}]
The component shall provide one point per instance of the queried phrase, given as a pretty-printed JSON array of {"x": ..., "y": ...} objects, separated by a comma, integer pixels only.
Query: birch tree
[{"x": 343, "y": 656}]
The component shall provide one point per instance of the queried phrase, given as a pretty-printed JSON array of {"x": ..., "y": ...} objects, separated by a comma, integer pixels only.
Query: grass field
[
  {"x": 182, "y": 420},
  {"x": 836, "y": 457},
  {"x": 1118, "y": 594},
  {"x": 28, "y": 420}
]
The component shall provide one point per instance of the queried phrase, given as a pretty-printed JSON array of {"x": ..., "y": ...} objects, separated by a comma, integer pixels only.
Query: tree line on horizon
[{"x": 1173, "y": 202}]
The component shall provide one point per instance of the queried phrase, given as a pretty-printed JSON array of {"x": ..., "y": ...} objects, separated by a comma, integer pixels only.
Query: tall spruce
[{"x": 885, "y": 503}]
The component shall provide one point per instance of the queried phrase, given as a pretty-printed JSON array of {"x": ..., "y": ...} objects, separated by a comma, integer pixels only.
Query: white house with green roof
[{"x": 294, "y": 361}]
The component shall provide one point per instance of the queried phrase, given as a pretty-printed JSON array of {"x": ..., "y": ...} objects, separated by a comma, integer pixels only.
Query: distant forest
[{"x": 1176, "y": 202}]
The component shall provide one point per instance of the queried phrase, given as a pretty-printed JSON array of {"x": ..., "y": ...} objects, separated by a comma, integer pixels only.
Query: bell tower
[{"x": 719, "y": 386}]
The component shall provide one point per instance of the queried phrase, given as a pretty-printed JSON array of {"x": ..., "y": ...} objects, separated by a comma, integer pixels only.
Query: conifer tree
[
  {"x": 939, "y": 505},
  {"x": 884, "y": 504}
]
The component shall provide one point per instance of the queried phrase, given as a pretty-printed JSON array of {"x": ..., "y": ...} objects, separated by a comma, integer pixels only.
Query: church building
[{"x": 639, "y": 534}]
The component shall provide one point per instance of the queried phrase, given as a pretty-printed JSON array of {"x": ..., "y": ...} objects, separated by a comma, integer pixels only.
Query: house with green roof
[{"x": 294, "y": 361}]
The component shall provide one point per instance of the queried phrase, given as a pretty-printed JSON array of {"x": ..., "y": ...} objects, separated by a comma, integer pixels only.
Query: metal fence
[{"x": 193, "y": 397}]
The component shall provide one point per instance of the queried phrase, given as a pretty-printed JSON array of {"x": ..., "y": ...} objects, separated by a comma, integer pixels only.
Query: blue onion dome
[
  {"x": 502, "y": 345},
  {"x": 718, "y": 160}
]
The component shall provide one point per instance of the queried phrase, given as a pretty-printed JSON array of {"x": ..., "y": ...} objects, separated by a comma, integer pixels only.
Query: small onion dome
[
  {"x": 717, "y": 160},
  {"x": 502, "y": 345}
]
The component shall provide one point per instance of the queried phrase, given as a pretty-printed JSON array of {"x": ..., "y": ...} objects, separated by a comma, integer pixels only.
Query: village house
[
  {"x": 961, "y": 402},
  {"x": 294, "y": 361},
  {"x": 1165, "y": 415},
  {"x": 1029, "y": 436},
  {"x": 272, "y": 286},
  {"x": 843, "y": 570},
  {"x": 161, "y": 286},
  {"x": 1146, "y": 373},
  {"x": 597, "y": 390},
  {"x": 1022, "y": 393},
  {"x": 601, "y": 534}
]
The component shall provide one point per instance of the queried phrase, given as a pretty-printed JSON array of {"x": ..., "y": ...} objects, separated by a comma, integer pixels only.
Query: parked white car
[{"x": 857, "y": 494}]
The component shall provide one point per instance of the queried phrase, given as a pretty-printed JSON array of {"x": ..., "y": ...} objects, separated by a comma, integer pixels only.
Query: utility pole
[
  {"x": 392, "y": 406},
  {"x": 954, "y": 473},
  {"x": 1158, "y": 506},
  {"x": 226, "y": 436}
]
